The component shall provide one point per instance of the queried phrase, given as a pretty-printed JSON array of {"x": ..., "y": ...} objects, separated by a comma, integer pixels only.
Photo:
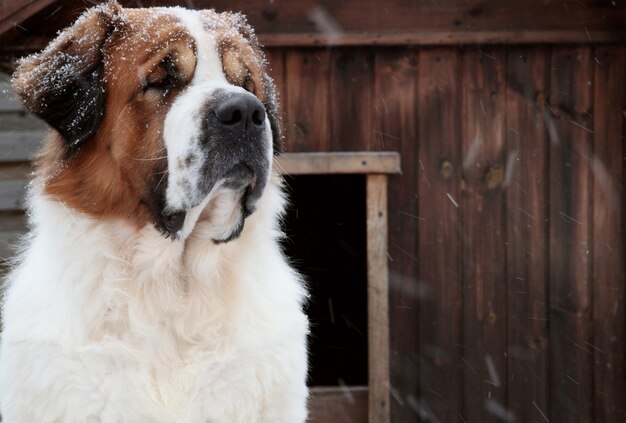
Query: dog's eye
[
  {"x": 163, "y": 78},
  {"x": 248, "y": 84}
]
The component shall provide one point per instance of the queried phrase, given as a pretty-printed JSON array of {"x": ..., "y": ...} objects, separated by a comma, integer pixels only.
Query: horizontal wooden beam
[
  {"x": 434, "y": 38},
  {"x": 338, "y": 404},
  {"x": 8, "y": 100},
  {"x": 27, "y": 25},
  {"x": 12, "y": 195},
  {"x": 457, "y": 38},
  {"x": 13, "y": 13},
  {"x": 338, "y": 163},
  {"x": 19, "y": 146}
]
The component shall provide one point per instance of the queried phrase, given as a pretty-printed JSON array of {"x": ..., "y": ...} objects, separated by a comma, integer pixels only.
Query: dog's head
[{"x": 156, "y": 110}]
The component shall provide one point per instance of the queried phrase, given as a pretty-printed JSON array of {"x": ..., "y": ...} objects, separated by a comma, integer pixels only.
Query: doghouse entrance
[
  {"x": 326, "y": 242},
  {"x": 337, "y": 237}
]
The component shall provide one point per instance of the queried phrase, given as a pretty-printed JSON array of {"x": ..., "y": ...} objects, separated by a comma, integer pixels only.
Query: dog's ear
[{"x": 64, "y": 83}]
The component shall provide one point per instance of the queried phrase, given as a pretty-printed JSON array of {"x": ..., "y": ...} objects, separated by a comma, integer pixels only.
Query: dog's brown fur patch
[{"x": 113, "y": 174}]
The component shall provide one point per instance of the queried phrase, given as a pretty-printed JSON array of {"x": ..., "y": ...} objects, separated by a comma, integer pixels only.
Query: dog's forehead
[{"x": 152, "y": 25}]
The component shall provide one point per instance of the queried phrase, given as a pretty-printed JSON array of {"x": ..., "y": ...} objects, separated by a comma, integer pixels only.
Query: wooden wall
[
  {"x": 20, "y": 134},
  {"x": 506, "y": 227}
]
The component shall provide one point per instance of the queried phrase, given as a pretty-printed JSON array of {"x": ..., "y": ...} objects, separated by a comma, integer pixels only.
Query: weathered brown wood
[
  {"x": 395, "y": 120},
  {"x": 13, "y": 13},
  {"x": 15, "y": 171},
  {"x": 484, "y": 234},
  {"x": 526, "y": 179},
  {"x": 344, "y": 404},
  {"x": 443, "y": 38},
  {"x": 8, "y": 101},
  {"x": 571, "y": 352},
  {"x": 21, "y": 122},
  {"x": 12, "y": 228},
  {"x": 19, "y": 146},
  {"x": 344, "y": 162},
  {"x": 313, "y": 22},
  {"x": 9, "y": 244},
  {"x": 377, "y": 299},
  {"x": 607, "y": 166},
  {"x": 439, "y": 181},
  {"x": 12, "y": 188},
  {"x": 351, "y": 89},
  {"x": 306, "y": 105}
]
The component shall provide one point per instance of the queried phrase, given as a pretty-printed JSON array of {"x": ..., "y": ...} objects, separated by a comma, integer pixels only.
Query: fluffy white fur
[{"x": 107, "y": 324}]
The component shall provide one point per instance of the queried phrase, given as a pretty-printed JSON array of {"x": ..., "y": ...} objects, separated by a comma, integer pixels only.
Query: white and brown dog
[{"x": 140, "y": 294}]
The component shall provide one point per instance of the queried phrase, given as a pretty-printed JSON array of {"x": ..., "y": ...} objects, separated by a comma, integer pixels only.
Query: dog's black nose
[{"x": 240, "y": 109}]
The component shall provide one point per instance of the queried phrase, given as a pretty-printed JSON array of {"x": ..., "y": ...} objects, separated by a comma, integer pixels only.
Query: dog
[{"x": 152, "y": 286}]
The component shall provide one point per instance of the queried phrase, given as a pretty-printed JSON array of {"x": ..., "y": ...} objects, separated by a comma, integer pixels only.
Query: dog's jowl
[{"x": 152, "y": 287}]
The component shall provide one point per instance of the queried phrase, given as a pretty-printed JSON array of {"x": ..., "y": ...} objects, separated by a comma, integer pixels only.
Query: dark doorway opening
[{"x": 326, "y": 241}]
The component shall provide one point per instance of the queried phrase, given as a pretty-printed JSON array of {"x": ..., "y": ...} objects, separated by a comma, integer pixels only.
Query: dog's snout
[{"x": 240, "y": 110}]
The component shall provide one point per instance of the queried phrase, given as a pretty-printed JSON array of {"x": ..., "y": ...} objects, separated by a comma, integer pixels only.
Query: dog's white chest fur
[{"x": 105, "y": 324}]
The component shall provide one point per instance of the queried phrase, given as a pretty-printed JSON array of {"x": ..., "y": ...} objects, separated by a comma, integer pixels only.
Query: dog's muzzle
[{"x": 235, "y": 143}]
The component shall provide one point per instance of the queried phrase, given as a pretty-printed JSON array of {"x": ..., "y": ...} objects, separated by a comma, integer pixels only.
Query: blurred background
[{"x": 506, "y": 226}]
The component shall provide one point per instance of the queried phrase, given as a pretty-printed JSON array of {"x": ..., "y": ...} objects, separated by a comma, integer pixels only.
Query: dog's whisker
[
  {"x": 161, "y": 180},
  {"x": 148, "y": 159}
]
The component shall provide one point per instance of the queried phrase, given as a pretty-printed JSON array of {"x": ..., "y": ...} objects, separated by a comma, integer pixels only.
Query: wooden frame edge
[
  {"x": 338, "y": 163},
  {"x": 378, "y": 300}
]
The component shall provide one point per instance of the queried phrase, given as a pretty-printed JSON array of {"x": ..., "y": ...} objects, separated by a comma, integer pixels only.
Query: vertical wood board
[
  {"x": 438, "y": 167},
  {"x": 484, "y": 234},
  {"x": 526, "y": 179},
  {"x": 571, "y": 196},
  {"x": 377, "y": 299},
  {"x": 396, "y": 121}
]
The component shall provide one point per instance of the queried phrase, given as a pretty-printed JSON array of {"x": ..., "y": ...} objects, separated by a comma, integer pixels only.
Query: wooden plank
[
  {"x": 12, "y": 191},
  {"x": 306, "y": 104},
  {"x": 571, "y": 368},
  {"x": 8, "y": 100},
  {"x": 342, "y": 162},
  {"x": 12, "y": 195},
  {"x": 484, "y": 234},
  {"x": 9, "y": 244},
  {"x": 16, "y": 171},
  {"x": 21, "y": 121},
  {"x": 607, "y": 165},
  {"x": 18, "y": 146},
  {"x": 15, "y": 12},
  {"x": 426, "y": 38},
  {"x": 395, "y": 104},
  {"x": 439, "y": 186},
  {"x": 432, "y": 38},
  {"x": 443, "y": 38},
  {"x": 526, "y": 181},
  {"x": 377, "y": 299},
  {"x": 12, "y": 228},
  {"x": 345, "y": 404},
  {"x": 351, "y": 112},
  {"x": 351, "y": 22}
]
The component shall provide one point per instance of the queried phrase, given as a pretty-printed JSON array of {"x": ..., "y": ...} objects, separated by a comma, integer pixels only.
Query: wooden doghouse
[{"x": 498, "y": 294}]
